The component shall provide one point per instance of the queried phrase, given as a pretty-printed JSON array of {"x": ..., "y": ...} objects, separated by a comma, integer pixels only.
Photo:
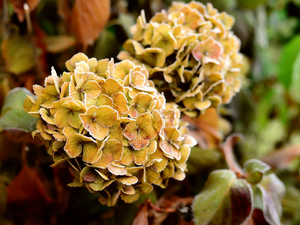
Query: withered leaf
[
  {"x": 141, "y": 217},
  {"x": 27, "y": 187},
  {"x": 273, "y": 190},
  {"x": 282, "y": 157},
  {"x": 89, "y": 18},
  {"x": 229, "y": 155}
]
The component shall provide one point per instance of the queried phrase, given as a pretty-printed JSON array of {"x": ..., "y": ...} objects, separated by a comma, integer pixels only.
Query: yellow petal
[
  {"x": 61, "y": 118},
  {"x": 110, "y": 87},
  {"x": 122, "y": 69},
  {"x": 90, "y": 150},
  {"x": 120, "y": 103},
  {"x": 112, "y": 151},
  {"x": 91, "y": 89},
  {"x": 45, "y": 114},
  {"x": 75, "y": 144},
  {"x": 97, "y": 120},
  {"x": 128, "y": 180}
]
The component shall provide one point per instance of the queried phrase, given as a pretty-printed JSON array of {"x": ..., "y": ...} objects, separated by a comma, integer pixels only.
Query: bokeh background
[{"x": 36, "y": 35}]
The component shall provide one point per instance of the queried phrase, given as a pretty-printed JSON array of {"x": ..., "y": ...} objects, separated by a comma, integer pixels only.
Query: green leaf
[
  {"x": 290, "y": 202},
  {"x": 250, "y": 4},
  {"x": 294, "y": 89},
  {"x": 126, "y": 21},
  {"x": 18, "y": 54},
  {"x": 225, "y": 199},
  {"x": 273, "y": 190},
  {"x": 107, "y": 45},
  {"x": 256, "y": 170},
  {"x": 13, "y": 116},
  {"x": 287, "y": 61},
  {"x": 200, "y": 158}
]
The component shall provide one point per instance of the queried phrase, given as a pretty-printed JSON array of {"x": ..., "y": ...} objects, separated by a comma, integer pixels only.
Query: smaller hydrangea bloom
[{"x": 181, "y": 46}]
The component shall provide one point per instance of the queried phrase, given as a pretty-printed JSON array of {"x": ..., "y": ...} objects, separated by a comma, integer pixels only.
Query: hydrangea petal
[{"x": 112, "y": 151}]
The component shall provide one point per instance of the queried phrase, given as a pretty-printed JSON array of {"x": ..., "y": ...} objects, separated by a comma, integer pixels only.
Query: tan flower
[{"x": 111, "y": 126}]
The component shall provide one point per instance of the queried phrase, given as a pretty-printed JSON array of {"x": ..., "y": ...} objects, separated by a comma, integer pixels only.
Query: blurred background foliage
[{"x": 46, "y": 33}]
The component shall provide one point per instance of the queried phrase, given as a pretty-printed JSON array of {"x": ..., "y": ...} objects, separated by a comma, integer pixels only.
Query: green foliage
[
  {"x": 225, "y": 199},
  {"x": 288, "y": 66},
  {"x": 256, "y": 170},
  {"x": 18, "y": 54},
  {"x": 13, "y": 115},
  {"x": 272, "y": 190},
  {"x": 266, "y": 112}
]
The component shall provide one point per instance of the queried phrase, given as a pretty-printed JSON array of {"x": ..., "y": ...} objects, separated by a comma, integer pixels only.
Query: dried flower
[
  {"x": 190, "y": 54},
  {"x": 111, "y": 125}
]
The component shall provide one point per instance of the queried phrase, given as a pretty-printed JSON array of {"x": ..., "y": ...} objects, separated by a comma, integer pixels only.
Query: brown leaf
[
  {"x": 61, "y": 189},
  {"x": 27, "y": 187},
  {"x": 65, "y": 9},
  {"x": 59, "y": 43},
  {"x": 19, "y": 7},
  {"x": 167, "y": 206},
  {"x": 88, "y": 19},
  {"x": 205, "y": 129},
  {"x": 282, "y": 157},
  {"x": 228, "y": 153},
  {"x": 141, "y": 217}
]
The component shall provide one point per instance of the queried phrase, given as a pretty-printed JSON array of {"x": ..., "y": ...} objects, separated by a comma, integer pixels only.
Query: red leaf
[{"x": 27, "y": 187}]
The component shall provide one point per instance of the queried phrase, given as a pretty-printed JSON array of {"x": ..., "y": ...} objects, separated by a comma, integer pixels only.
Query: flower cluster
[
  {"x": 190, "y": 53},
  {"x": 112, "y": 126}
]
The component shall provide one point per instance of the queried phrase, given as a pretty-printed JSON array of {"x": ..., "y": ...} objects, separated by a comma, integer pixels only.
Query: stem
[{"x": 27, "y": 16}]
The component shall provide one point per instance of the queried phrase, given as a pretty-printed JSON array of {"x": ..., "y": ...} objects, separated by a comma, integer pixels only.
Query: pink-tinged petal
[
  {"x": 97, "y": 120},
  {"x": 146, "y": 129},
  {"x": 169, "y": 149},
  {"x": 116, "y": 170},
  {"x": 139, "y": 142},
  {"x": 130, "y": 131}
]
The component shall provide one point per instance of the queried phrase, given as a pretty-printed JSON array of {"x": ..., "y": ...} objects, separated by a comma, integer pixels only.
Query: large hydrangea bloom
[
  {"x": 113, "y": 128},
  {"x": 191, "y": 54}
]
